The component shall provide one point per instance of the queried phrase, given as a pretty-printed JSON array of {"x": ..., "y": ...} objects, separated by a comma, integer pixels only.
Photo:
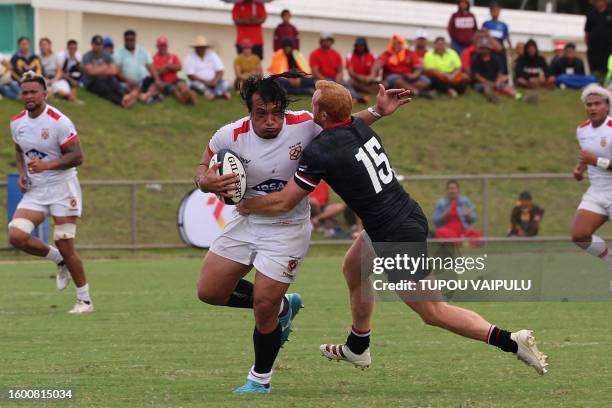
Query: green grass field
[
  {"x": 444, "y": 136},
  {"x": 151, "y": 343}
]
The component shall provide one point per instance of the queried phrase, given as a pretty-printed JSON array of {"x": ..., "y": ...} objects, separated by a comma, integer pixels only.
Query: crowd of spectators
[{"x": 482, "y": 57}]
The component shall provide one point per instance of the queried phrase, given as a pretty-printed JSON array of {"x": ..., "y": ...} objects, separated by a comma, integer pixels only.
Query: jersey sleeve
[
  {"x": 312, "y": 168},
  {"x": 13, "y": 133},
  {"x": 66, "y": 132},
  {"x": 220, "y": 140}
]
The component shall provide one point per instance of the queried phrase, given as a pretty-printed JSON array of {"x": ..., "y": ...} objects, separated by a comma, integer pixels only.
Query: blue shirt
[
  {"x": 133, "y": 64},
  {"x": 497, "y": 29}
]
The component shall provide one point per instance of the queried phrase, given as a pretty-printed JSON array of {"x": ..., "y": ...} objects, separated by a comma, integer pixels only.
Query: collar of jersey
[{"x": 338, "y": 124}]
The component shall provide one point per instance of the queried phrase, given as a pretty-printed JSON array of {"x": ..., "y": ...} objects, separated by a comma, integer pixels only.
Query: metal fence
[{"x": 140, "y": 214}]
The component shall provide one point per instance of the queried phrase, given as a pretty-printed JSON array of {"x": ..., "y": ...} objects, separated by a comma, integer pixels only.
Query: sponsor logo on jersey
[
  {"x": 270, "y": 186},
  {"x": 295, "y": 151},
  {"x": 44, "y": 134},
  {"x": 292, "y": 265},
  {"x": 603, "y": 142},
  {"x": 73, "y": 202},
  {"x": 35, "y": 154}
]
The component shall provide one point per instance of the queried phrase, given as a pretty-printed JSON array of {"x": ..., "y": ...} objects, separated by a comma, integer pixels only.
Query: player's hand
[
  {"x": 219, "y": 185},
  {"x": 587, "y": 157},
  {"x": 22, "y": 182},
  {"x": 37, "y": 166},
  {"x": 388, "y": 101},
  {"x": 579, "y": 171},
  {"x": 243, "y": 207}
]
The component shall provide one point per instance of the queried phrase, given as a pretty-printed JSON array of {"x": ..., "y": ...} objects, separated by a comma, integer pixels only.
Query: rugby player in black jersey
[{"x": 349, "y": 156}]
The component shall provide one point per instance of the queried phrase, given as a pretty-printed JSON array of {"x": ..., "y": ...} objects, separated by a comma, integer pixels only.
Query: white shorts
[
  {"x": 597, "y": 201},
  {"x": 61, "y": 199},
  {"x": 60, "y": 86},
  {"x": 276, "y": 251}
]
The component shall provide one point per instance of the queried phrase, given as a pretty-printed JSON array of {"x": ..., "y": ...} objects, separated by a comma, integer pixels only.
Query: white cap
[
  {"x": 421, "y": 33},
  {"x": 327, "y": 35}
]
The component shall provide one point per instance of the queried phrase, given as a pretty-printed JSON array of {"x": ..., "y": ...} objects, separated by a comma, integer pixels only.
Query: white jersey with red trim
[
  {"x": 270, "y": 163},
  {"x": 44, "y": 138},
  {"x": 599, "y": 142}
]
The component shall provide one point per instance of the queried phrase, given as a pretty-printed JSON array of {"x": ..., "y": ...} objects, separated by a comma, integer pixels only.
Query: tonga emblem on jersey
[
  {"x": 603, "y": 142},
  {"x": 295, "y": 153},
  {"x": 292, "y": 265},
  {"x": 73, "y": 203},
  {"x": 44, "y": 134}
]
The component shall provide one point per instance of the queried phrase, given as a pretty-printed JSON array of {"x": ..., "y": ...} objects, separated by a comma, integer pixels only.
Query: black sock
[
  {"x": 242, "y": 296},
  {"x": 358, "y": 342},
  {"x": 501, "y": 339},
  {"x": 266, "y": 349}
]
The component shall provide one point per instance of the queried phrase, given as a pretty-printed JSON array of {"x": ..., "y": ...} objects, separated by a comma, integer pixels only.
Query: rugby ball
[{"x": 231, "y": 163}]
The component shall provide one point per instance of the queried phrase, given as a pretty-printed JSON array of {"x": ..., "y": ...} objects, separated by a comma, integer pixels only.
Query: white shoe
[
  {"x": 340, "y": 352},
  {"x": 81, "y": 307},
  {"x": 528, "y": 352},
  {"x": 62, "y": 279}
]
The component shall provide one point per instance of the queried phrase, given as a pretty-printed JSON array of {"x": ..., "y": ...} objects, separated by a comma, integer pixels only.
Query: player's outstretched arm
[
  {"x": 72, "y": 156},
  {"x": 275, "y": 203},
  {"x": 387, "y": 102}
]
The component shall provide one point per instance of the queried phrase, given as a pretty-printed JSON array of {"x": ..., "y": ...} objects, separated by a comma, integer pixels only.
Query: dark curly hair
[{"x": 269, "y": 89}]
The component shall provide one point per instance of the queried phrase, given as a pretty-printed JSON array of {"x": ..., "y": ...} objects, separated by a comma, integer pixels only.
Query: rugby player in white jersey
[
  {"x": 48, "y": 152},
  {"x": 595, "y": 140},
  {"x": 270, "y": 142}
]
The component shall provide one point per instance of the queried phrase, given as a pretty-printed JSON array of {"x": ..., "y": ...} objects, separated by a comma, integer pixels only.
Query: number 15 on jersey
[{"x": 376, "y": 163}]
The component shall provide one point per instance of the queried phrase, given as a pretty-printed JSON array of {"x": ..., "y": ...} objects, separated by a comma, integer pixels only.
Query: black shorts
[{"x": 407, "y": 241}]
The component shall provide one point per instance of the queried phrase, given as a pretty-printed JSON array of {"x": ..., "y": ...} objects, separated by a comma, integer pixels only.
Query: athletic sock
[
  {"x": 83, "y": 294},
  {"x": 54, "y": 255},
  {"x": 242, "y": 296},
  {"x": 266, "y": 349},
  {"x": 501, "y": 339},
  {"x": 358, "y": 341},
  {"x": 284, "y": 307},
  {"x": 599, "y": 249}
]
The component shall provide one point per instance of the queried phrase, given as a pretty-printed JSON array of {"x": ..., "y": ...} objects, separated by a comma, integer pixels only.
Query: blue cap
[{"x": 108, "y": 42}]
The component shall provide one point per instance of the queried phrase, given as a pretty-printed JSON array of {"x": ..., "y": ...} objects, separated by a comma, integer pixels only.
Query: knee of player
[
  {"x": 264, "y": 307},
  {"x": 19, "y": 231},
  {"x": 579, "y": 237},
  {"x": 208, "y": 295}
]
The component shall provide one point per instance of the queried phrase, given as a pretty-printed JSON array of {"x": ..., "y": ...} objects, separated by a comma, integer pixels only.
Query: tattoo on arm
[{"x": 72, "y": 156}]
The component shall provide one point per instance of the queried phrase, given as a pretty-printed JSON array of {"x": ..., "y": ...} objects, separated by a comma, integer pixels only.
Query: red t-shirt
[
  {"x": 453, "y": 221},
  {"x": 329, "y": 62},
  {"x": 161, "y": 60},
  {"x": 321, "y": 193},
  {"x": 419, "y": 56},
  {"x": 360, "y": 64},
  {"x": 405, "y": 68},
  {"x": 251, "y": 32},
  {"x": 466, "y": 56}
]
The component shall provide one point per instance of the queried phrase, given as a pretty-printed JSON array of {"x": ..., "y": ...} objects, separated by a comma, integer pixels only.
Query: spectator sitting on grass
[
  {"x": 109, "y": 45},
  {"x": 532, "y": 70},
  {"x": 360, "y": 67},
  {"x": 53, "y": 73},
  {"x": 400, "y": 70},
  {"x": 525, "y": 217},
  {"x": 488, "y": 77},
  {"x": 9, "y": 88},
  {"x": 326, "y": 63},
  {"x": 467, "y": 56},
  {"x": 443, "y": 66},
  {"x": 136, "y": 68},
  {"x": 100, "y": 76},
  {"x": 70, "y": 61},
  {"x": 455, "y": 215},
  {"x": 167, "y": 66},
  {"x": 420, "y": 48},
  {"x": 569, "y": 70},
  {"x": 246, "y": 64},
  {"x": 24, "y": 60},
  {"x": 286, "y": 30},
  {"x": 204, "y": 69},
  {"x": 288, "y": 59}
]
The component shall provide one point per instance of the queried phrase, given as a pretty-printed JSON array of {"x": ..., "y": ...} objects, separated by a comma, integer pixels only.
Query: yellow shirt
[{"x": 247, "y": 64}]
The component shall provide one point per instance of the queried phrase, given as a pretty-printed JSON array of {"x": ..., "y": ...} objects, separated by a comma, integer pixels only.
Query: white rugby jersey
[
  {"x": 269, "y": 163},
  {"x": 44, "y": 138},
  {"x": 599, "y": 142}
]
